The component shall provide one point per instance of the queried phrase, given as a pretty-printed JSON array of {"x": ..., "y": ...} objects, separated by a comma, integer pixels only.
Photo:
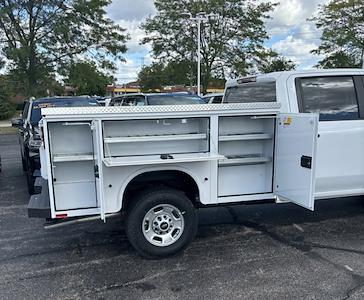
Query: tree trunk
[{"x": 32, "y": 72}]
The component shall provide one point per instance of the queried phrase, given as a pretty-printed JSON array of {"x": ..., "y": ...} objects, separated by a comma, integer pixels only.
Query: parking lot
[{"x": 241, "y": 252}]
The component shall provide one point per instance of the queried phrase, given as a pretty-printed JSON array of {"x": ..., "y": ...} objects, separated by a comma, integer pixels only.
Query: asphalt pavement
[{"x": 265, "y": 251}]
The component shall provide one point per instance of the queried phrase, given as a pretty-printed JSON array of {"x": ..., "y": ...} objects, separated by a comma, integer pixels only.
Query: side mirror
[{"x": 17, "y": 122}]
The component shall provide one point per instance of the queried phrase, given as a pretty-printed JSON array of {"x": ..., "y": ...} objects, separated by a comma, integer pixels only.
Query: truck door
[{"x": 295, "y": 153}]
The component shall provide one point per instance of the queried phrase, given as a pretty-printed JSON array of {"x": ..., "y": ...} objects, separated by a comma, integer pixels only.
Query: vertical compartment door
[
  {"x": 295, "y": 152},
  {"x": 97, "y": 142},
  {"x": 72, "y": 162}
]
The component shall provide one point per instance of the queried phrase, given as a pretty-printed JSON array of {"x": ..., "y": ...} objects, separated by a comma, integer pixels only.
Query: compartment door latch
[
  {"x": 306, "y": 161},
  {"x": 96, "y": 170}
]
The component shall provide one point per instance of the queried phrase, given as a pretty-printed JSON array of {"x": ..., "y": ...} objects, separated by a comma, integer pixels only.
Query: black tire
[{"x": 143, "y": 204}]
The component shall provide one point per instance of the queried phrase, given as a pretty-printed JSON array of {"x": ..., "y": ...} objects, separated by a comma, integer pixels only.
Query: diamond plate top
[{"x": 123, "y": 110}]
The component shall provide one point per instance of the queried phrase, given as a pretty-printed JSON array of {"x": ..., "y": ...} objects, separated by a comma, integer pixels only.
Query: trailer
[{"x": 159, "y": 164}]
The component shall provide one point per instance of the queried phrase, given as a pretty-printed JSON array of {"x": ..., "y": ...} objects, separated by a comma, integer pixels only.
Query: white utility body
[
  {"x": 234, "y": 152},
  {"x": 288, "y": 136}
]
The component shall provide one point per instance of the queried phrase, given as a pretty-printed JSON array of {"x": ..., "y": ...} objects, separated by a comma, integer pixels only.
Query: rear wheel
[{"x": 161, "y": 222}]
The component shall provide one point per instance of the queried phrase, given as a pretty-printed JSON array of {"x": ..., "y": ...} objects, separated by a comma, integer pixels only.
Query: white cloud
[
  {"x": 300, "y": 36},
  {"x": 291, "y": 13},
  {"x": 137, "y": 55},
  {"x": 136, "y": 35},
  {"x": 298, "y": 50},
  {"x": 127, "y": 71},
  {"x": 130, "y": 9}
]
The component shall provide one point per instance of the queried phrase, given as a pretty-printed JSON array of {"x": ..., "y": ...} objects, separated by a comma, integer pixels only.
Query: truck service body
[{"x": 160, "y": 163}]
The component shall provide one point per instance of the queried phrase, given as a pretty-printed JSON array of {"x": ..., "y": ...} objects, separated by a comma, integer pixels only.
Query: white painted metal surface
[
  {"x": 72, "y": 165},
  {"x": 97, "y": 140},
  {"x": 340, "y": 160},
  {"x": 296, "y": 137},
  {"x": 156, "y": 138},
  {"x": 227, "y": 150},
  {"x": 121, "y": 111},
  {"x": 157, "y": 160},
  {"x": 232, "y": 159}
]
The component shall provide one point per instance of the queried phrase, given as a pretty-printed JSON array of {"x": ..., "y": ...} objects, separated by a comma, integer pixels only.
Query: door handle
[{"x": 96, "y": 171}]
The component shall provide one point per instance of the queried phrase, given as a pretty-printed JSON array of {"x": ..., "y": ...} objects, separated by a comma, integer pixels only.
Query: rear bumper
[{"x": 39, "y": 204}]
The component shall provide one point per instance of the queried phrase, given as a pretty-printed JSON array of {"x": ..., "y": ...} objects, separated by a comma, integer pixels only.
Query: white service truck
[{"x": 158, "y": 164}]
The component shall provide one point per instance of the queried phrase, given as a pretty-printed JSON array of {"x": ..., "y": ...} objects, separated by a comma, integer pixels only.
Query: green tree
[
  {"x": 231, "y": 39},
  {"x": 342, "y": 39},
  {"x": 157, "y": 75},
  {"x": 86, "y": 78},
  {"x": 41, "y": 36},
  {"x": 274, "y": 62},
  {"x": 7, "y": 108},
  {"x": 151, "y": 78}
]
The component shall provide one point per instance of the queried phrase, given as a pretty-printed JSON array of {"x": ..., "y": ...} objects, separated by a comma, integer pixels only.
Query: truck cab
[{"x": 338, "y": 97}]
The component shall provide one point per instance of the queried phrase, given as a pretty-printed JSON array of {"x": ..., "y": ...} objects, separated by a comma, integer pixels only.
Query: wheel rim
[{"x": 163, "y": 225}]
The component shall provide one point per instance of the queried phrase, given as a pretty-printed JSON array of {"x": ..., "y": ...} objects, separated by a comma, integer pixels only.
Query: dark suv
[{"x": 29, "y": 137}]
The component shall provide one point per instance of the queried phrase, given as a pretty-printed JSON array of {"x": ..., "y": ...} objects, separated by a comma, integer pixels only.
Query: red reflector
[{"x": 61, "y": 216}]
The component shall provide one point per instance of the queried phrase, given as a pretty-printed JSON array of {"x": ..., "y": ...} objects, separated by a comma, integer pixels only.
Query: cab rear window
[
  {"x": 251, "y": 92},
  {"x": 333, "y": 98}
]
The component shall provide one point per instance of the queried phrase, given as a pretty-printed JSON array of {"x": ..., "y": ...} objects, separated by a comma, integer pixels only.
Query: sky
[{"x": 290, "y": 33}]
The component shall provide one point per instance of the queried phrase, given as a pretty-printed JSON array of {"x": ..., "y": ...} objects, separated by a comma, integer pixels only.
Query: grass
[{"x": 8, "y": 130}]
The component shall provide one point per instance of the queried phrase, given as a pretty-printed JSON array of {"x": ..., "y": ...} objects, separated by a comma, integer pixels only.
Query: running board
[
  {"x": 38, "y": 184},
  {"x": 69, "y": 221},
  {"x": 39, "y": 204}
]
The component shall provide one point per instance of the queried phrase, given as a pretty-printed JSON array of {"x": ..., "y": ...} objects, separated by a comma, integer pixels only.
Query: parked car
[
  {"x": 102, "y": 101},
  {"x": 213, "y": 98},
  {"x": 141, "y": 99},
  {"x": 29, "y": 138}
]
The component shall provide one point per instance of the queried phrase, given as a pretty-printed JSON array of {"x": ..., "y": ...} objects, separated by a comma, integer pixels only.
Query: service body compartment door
[
  {"x": 72, "y": 166},
  {"x": 295, "y": 153},
  {"x": 97, "y": 147}
]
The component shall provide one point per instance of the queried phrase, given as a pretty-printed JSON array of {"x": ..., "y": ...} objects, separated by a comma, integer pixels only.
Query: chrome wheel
[{"x": 163, "y": 225}]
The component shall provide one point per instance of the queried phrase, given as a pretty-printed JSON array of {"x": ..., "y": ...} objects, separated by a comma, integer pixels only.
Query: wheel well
[{"x": 170, "y": 178}]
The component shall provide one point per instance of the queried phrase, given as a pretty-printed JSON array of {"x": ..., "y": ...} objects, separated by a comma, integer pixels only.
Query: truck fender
[{"x": 143, "y": 170}]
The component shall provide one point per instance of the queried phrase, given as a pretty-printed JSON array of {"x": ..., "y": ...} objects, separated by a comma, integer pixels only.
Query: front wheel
[{"x": 161, "y": 222}]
